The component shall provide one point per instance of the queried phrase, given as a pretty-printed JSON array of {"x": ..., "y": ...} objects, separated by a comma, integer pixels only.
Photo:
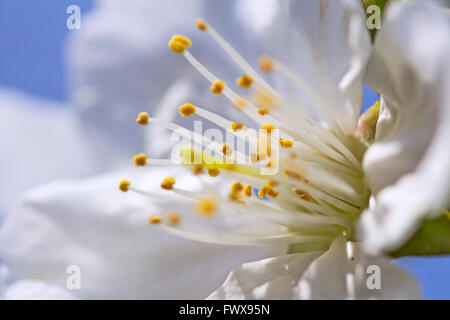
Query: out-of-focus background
[{"x": 36, "y": 93}]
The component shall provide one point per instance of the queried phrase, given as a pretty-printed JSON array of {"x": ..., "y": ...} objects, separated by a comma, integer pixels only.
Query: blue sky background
[{"x": 32, "y": 37}]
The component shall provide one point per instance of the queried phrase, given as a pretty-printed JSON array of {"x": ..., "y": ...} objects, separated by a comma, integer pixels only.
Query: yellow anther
[
  {"x": 217, "y": 87},
  {"x": 263, "y": 111},
  {"x": 262, "y": 193},
  {"x": 271, "y": 183},
  {"x": 124, "y": 185},
  {"x": 187, "y": 109},
  {"x": 201, "y": 25},
  {"x": 140, "y": 160},
  {"x": 176, "y": 47},
  {"x": 268, "y": 127},
  {"x": 302, "y": 194},
  {"x": 248, "y": 190},
  {"x": 293, "y": 174},
  {"x": 240, "y": 103},
  {"x": 206, "y": 207},
  {"x": 197, "y": 169},
  {"x": 155, "y": 219},
  {"x": 266, "y": 64},
  {"x": 258, "y": 156},
  {"x": 236, "y": 126},
  {"x": 213, "y": 172},
  {"x": 236, "y": 187},
  {"x": 142, "y": 118},
  {"x": 179, "y": 43},
  {"x": 286, "y": 143},
  {"x": 168, "y": 183},
  {"x": 272, "y": 193},
  {"x": 245, "y": 81},
  {"x": 173, "y": 218},
  {"x": 185, "y": 41},
  {"x": 226, "y": 149}
]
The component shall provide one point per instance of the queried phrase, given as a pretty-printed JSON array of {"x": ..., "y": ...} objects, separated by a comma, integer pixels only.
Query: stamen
[
  {"x": 168, "y": 183},
  {"x": 286, "y": 143},
  {"x": 237, "y": 100},
  {"x": 268, "y": 127},
  {"x": 124, "y": 185},
  {"x": 236, "y": 187},
  {"x": 236, "y": 126},
  {"x": 302, "y": 194},
  {"x": 245, "y": 81},
  {"x": 273, "y": 193},
  {"x": 197, "y": 169},
  {"x": 206, "y": 207},
  {"x": 201, "y": 25},
  {"x": 262, "y": 193},
  {"x": 173, "y": 218},
  {"x": 272, "y": 183},
  {"x": 140, "y": 160},
  {"x": 213, "y": 172},
  {"x": 217, "y": 87},
  {"x": 226, "y": 149},
  {"x": 263, "y": 111},
  {"x": 155, "y": 219},
  {"x": 266, "y": 64},
  {"x": 179, "y": 43},
  {"x": 142, "y": 118},
  {"x": 186, "y": 110},
  {"x": 248, "y": 190},
  {"x": 230, "y": 239}
]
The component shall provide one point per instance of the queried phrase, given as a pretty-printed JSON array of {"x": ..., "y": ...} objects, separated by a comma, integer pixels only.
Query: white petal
[
  {"x": 410, "y": 162},
  {"x": 122, "y": 64},
  {"x": 36, "y": 290},
  {"x": 274, "y": 278},
  {"x": 340, "y": 273},
  {"x": 326, "y": 44},
  {"x": 343, "y": 272},
  {"x": 90, "y": 223},
  {"x": 40, "y": 141}
]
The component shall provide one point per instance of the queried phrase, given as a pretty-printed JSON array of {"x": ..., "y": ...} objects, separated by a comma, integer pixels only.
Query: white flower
[
  {"x": 315, "y": 198},
  {"x": 102, "y": 58},
  {"x": 118, "y": 47},
  {"x": 91, "y": 224},
  {"x": 319, "y": 189},
  {"x": 343, "y": 272},
  {"x": 120, "y": 65},
  {"x": 41, "y": 141},
  {"x": 408, "y": 168}
]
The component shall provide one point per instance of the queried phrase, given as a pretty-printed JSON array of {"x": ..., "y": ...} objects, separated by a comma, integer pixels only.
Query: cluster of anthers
[{"x": 316, "y": 190}]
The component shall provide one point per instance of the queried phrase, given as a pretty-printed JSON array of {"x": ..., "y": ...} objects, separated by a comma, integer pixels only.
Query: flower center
[{"x": 303, "y": 174}]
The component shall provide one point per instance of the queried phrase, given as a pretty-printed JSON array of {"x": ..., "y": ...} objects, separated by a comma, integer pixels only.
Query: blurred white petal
[
  {"x": 339, "y": 273},
  {"x": 273, "y": 278},
  {"x": 342, "y": 273},
  {"x": 90, "y": 223},
  {"x": 325, "y": 43},
  {"x": 410, "y": 161},
  {"x": 36, "y": 290},
  {"x": 121, "y": 64},
  {"x": 40, "y": 141}
]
